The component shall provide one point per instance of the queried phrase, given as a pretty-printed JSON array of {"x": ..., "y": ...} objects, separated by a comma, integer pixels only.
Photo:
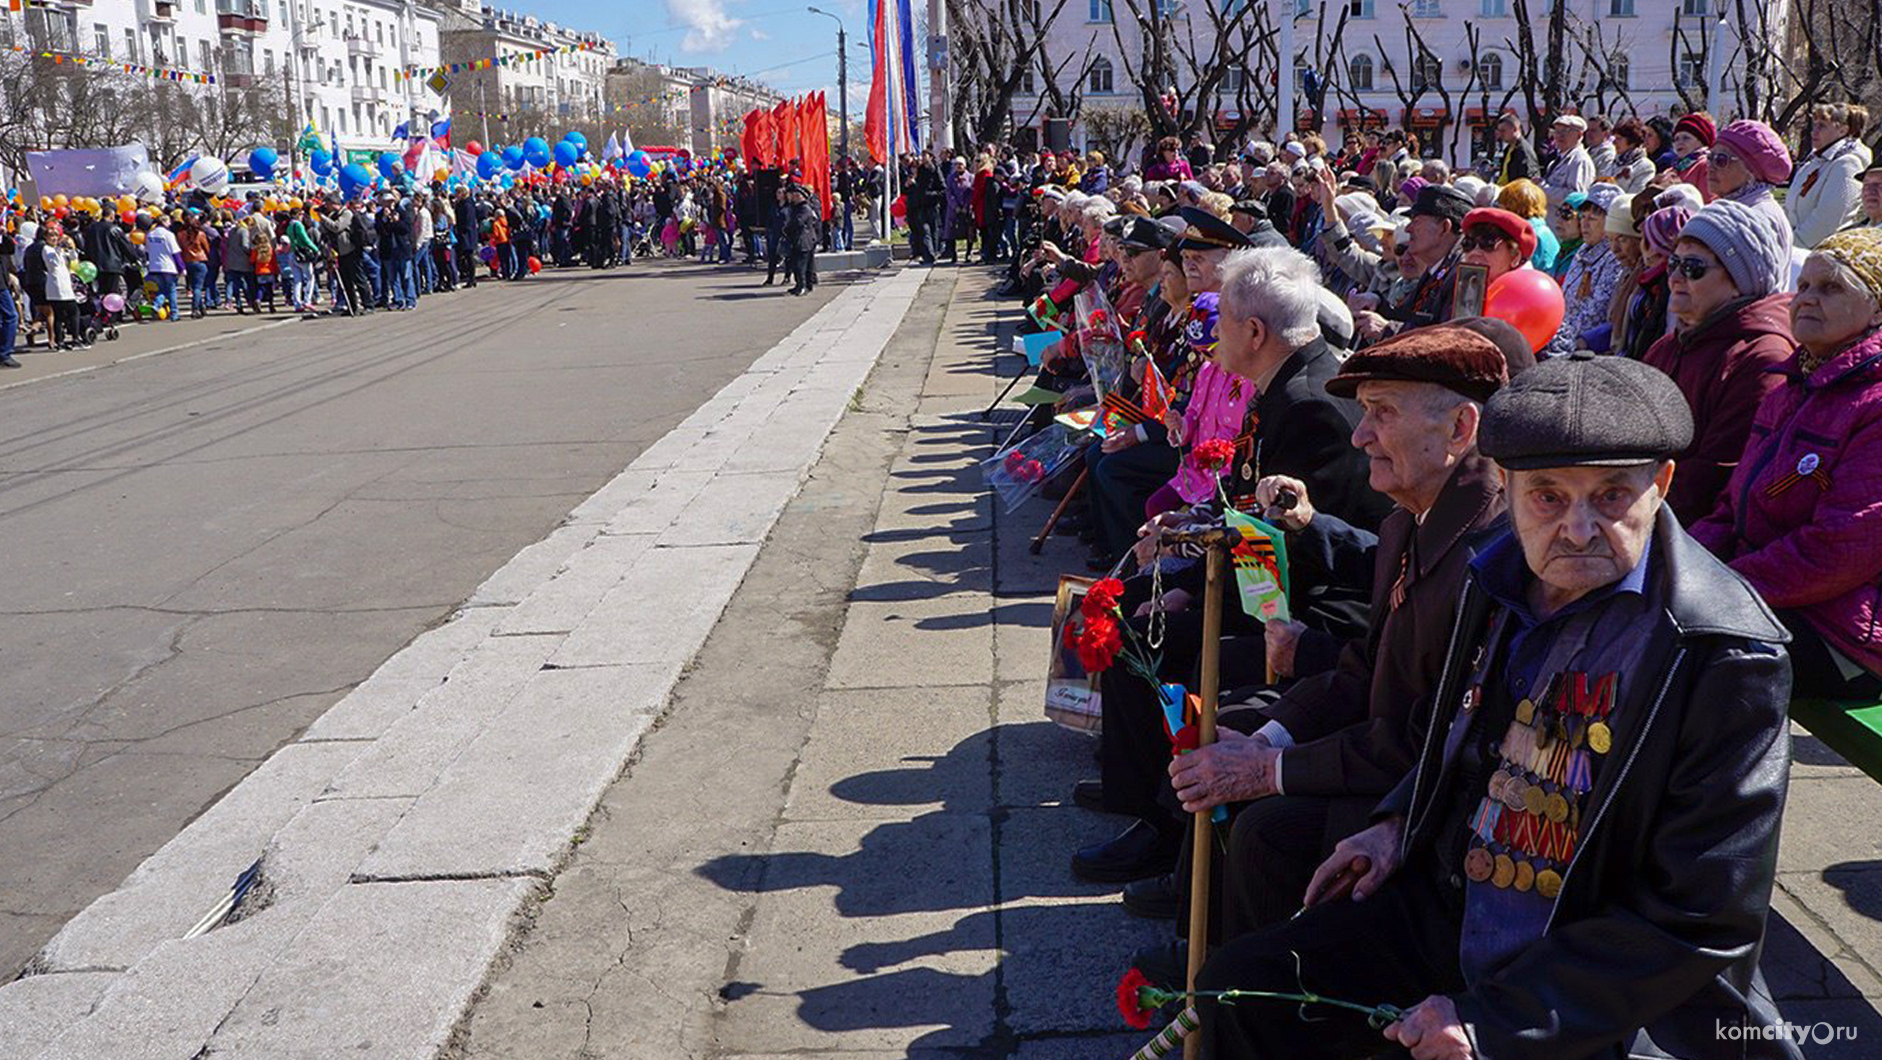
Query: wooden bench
[{"x": 1850, "y": 727}]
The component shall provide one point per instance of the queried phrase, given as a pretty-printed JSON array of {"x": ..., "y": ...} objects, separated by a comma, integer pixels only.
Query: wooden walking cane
[
  {"x": 1052, "y": 521},
  {"x": 1217, "y": 542}
]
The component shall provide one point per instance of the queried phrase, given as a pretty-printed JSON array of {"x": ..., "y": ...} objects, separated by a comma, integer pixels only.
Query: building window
[
  {"x": 205, "y": 56},
  {"x": 1695, "y": 8},
  {"x": 1359, "y": 73},
  {"x": 267, "y": 61},
  {"x": 1098, "y": 82},
  {"x": 1426, "y": 9},
  {"x": 130, "y": 44},
  {"x": 1100, "y": 11},
  {"x": 1427, "y": 72},
  {"x": 202, "y": 7},
  {"x": 1621, "y": 8},
  {"x": 1232, "y": 79},
  {"x": 1027, "y": 85},
  {"x": 1361, "y": 8},
  {"x": 1495, "y": 8},
  {"x": 1490, "y": 71},
  {"x": 1692, "y": 69},
  {"x": 1617, "y": 72},
  {"x": 101, "y": 40},
  {"x": 1303, "y": 8}
]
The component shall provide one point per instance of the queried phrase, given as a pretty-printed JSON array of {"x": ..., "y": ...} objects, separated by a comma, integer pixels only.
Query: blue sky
[{"x": 774, "y": 41}]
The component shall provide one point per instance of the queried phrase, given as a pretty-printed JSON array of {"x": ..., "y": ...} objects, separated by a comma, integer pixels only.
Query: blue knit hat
[{"x": 1746, "y": 241}]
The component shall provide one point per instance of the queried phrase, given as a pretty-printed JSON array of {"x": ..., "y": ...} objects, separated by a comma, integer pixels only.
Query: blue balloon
[
  {"x": 353, "y": 177},
  {"x": 580, "y": 141},
  {"x": 566, "y": 153},
  {"x": 261, "y": 162},
  {"x": 639, "y": 164},
  {"x": 488, "y": 165},
  {"x": 513, "y": 157},
  {"x": 388, "y": 165},
  {"x": 509, "y": 179},
  {"x": 536, "y": 152},
  {"x": 322, "y": 163}
]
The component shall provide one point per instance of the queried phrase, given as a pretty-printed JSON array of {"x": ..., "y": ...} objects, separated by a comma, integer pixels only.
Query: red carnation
[
  {"x": 1033, "y": 471},
  {"x": 1102, "y": 598},
  {"x": 1132, "y": 1003},
  {"x": 1214, "y": 454},
  {"x": 1013, "y": 461},
  {"x": 1099, "y": 644},
  {"x": 1099, "y": 316}
]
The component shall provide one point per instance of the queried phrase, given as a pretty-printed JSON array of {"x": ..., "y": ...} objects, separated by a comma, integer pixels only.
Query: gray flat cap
[{"x": 1586, "y": 410}]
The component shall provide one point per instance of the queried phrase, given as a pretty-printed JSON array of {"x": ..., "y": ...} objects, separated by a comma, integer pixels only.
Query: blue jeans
[
  {"x": 506, "y": 260},
  {"x": 243, "y": 285},
  {"x": 166, "y": 291},
  {"x": 399, "y": 280},
  {"x": 375, "y": 276},
  {"x": 427, "y": 271},
  {"x": 9, "y": 323},
  {"x": 198, "y": 273}
]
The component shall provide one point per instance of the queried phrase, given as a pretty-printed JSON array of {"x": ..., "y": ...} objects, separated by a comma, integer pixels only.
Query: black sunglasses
[
  {"x": 1691, "y": 268},
  {"x": 1470, "y": 243}
]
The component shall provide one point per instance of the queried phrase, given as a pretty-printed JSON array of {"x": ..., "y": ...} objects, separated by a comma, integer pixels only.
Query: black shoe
[
  {"x": 1153, "y": 899},
  {"x": 1139, "y": 851},
  {"x": 7, "y": 361},
  {"x": 1089, "y": 795},
  {"x": 1165, "y": 964}
]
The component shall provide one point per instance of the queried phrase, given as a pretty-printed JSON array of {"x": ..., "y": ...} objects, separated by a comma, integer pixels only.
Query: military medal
[
  {"x": 1526, "y": 711},
  {"x": 1513, "y": 793},
  {"x": 1505, "y": 872},
  {"x": 1478, "y": 865},
  {"x": 1548, "y": 883},
  {"x": 1599, "y": 738},
  {"x": 1534, "y": 799},
  {"x": 1555, "y": 808},
  {"x": 1525, "y": 875}
]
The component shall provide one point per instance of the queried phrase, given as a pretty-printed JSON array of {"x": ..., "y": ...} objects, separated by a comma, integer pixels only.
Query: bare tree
[
  {"x": 1181, "y": 67},
  {"x": 1117, "y": 130},
  {"x": 994, "y": 45}
]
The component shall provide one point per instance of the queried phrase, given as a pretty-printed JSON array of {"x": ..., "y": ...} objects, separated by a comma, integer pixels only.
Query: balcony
[
  {"x": 368, "y": 94},
  {"x": 160, "y": 11},
  {"x": 242, "y": 17},
  {"x": 362, "y": 46},
  {"x": 248, "y": 79}
]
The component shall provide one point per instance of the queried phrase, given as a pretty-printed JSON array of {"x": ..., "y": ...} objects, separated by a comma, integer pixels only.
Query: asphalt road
[{"x": 201, "y": 551}]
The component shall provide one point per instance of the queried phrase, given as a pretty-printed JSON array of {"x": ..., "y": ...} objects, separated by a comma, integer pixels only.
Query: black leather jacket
[{"x": 1654, "y": 939}]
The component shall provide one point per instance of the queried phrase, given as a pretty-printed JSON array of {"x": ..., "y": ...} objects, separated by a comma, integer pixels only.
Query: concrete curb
[{"x": 408, "y": 826}]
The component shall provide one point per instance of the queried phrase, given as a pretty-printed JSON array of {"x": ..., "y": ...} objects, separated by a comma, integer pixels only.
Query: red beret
[
  {"x": 1700, "y": 126},
  {"x": 1509, "y": 224},
  {"x": 1453, "y": 357}
]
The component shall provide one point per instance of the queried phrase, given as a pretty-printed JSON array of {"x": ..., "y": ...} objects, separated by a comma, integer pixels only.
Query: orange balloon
[
  {"x": 61, "y": 200},
  {"x": 138, "y": 237},
  {"x": 45, "y": 202},
  {"x": 127, "y": 202},
  {"x": 1528, "y": 299}
]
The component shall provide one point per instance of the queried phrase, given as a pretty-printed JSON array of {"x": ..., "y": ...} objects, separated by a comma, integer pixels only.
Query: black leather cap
[{"x": 1586, "y": 410}]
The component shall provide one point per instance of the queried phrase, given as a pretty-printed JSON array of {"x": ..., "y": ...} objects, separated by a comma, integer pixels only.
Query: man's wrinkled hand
[
  {"x": 1236, "y": 768},
  {"x": 1282, "y": 637},
  {"x": 1432, "y": 1031},
  {"x": 1359, "y": 864},
  {"x": 1268, "y": 495}
]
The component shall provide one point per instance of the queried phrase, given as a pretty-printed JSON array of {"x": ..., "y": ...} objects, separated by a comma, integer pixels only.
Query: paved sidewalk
[
  {"x": 405, "y": 829},
  {"x": 867, "y": 856}
]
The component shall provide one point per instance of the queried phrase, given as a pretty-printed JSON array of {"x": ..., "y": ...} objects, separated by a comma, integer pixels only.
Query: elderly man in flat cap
[
  {"x": 1580, "y": 861},
  {"x": 1333, "y": 744},
  {"x": 1428, "y": 262}
]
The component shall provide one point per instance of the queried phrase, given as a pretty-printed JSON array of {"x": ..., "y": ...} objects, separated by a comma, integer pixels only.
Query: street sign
[{"x": 437, "y": 82}]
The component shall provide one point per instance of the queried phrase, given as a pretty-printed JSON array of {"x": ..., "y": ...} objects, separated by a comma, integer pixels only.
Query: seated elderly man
[
  {"x": 1580, "y": 862},
  {"x": 1332, "y": 745},
  {"x": 1429, "y": 262},
  {"x": 1269, "y": 335}
]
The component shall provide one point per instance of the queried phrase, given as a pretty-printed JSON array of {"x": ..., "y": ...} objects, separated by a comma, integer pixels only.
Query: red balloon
[
  {"x": 899, "y": 208},
  {"x": 474, "y": 147},
  {"x": 535, "y": 265},
  {"x": 1528, "y": 299}
]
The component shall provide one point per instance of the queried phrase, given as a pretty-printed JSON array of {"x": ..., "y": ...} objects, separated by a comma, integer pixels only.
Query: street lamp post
[{"x": 843, "y": 113}]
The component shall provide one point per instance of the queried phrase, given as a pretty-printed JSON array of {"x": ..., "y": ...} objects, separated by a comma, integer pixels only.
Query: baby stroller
[{"x": 94, "y": 319}]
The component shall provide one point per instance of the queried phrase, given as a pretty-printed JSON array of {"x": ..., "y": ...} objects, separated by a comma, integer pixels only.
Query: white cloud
[
  {"x": 709, "y": 26},
  {"x": 758, "y": 34}
]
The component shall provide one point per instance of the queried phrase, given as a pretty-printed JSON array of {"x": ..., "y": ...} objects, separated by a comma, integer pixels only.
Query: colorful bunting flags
[{"x": 155, "y": 73}]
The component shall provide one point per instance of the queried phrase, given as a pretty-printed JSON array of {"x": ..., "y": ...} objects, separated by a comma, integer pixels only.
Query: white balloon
[
  {"x": 210, "y": 175},
  {"x": 148, "y": 187}
]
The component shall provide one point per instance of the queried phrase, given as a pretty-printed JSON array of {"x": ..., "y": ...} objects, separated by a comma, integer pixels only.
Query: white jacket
[
  {"x": 1826, "y": 191},
  {"x": 1572, "y": 173},
  {"x": 59, "y": 262}
]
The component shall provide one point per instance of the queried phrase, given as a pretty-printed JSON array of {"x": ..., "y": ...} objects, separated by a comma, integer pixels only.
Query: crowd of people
[
  {"x": 1512, "y": 756},
  {"x": 74, "y": 268}
]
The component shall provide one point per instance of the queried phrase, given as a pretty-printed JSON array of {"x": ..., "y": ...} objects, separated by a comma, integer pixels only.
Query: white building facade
[
  {"x": 518, "y": 72},
  {"x": 333, "y": 60},
  {"x": 1640, "y": 56}
]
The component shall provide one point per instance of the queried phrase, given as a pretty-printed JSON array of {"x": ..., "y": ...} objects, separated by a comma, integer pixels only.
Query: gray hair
[
  {"x": 1097, "y": 210},
  {"x": 1277, "y": 285},
  {"x": 1436, "y": 170}
]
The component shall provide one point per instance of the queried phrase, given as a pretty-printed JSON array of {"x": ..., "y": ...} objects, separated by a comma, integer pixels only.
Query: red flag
[
  {"x": 784, "y": 135},
  {"x": 752, "y": 142},
  {"x": 875, "y": 123}
]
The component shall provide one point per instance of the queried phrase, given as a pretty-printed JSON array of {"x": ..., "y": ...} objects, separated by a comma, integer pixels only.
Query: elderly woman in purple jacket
[
  {"x": 957, "y": 212},
  {"x": 1801, "y": 518}
]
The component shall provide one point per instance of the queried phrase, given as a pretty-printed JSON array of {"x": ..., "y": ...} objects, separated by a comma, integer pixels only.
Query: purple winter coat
[{"x": 1801, "y": 518}]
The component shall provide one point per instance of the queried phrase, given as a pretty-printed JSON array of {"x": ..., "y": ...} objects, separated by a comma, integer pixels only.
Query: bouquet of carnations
[{"x": 1018, "y": 472}]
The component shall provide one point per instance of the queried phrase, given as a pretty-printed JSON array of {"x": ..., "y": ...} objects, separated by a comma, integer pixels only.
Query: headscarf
[
  {"x": 1661, "y": 229},
  {"x": 1860, "y": 251}
]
